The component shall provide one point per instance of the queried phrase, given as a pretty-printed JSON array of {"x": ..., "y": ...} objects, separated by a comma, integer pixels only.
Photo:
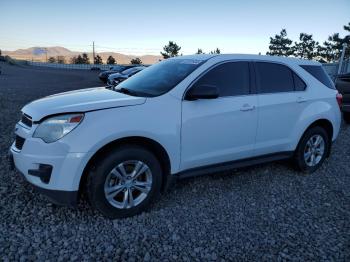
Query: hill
[{"x": 39, "y": 54}]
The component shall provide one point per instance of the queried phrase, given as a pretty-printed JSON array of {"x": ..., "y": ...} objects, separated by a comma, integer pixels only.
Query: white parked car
[
  {"x": 115, "y": 79},
  {"x": 181, "y": 117}
]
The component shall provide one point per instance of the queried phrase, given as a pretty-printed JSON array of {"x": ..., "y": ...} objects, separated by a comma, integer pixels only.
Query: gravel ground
[{"x": 266, "y": 212}]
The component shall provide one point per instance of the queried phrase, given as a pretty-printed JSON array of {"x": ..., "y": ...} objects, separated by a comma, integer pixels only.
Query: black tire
[
  {"x": 98, "y": 174},
  {"x": 299, "y": 160},
  {"x": 346, "y": 116}
]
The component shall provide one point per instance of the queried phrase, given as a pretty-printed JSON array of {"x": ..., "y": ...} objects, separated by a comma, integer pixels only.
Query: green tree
[
  {"x": 136, "y": 61},
  {"x": 98, "y": 60},
  {"x": 86, "y": 59},
  {"x": 61, "y": 59},
  {"x": 111, "y": 60},
  {"x": 51, "y": 60},
  {"x": 307, "y": 47},
  {"x": 216, "y": 51},
  {"x": 170, "y": 50},
  {"x": 332, "y": 48},
  {"x": 73, "y": 59},
  {"x": 280, "y": 45},
  {"x": 199, "y": 51},
  {"x": 77, "y": 60}
]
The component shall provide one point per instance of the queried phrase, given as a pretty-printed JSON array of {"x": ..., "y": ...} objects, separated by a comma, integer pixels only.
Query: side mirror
[{"x": 202, "y": 92}]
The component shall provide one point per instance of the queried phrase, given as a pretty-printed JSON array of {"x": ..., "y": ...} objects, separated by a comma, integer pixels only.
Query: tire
[
  {"x": 107, "y": 175},
  {"x": 346, "y": 116},
  {"x": 308, "y": 164}
]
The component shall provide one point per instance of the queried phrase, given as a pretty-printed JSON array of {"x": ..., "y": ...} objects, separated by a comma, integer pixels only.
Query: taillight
[{"x": 339, "y": 99}]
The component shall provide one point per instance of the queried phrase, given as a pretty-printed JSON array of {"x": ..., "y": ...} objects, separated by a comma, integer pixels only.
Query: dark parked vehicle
[
  {"x": 343, "y": 85},
  {"x": 115, "y": 79},
  {"x": 113, "y": 69}
]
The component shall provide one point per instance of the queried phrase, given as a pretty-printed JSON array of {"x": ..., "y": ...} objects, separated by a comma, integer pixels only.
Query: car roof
[{"x": 281, "y": 59}]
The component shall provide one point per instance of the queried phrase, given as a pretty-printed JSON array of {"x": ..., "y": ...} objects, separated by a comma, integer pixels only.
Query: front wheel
[
  {"x": 124, "y": 182},
  {"x": 312, "y": 149}
]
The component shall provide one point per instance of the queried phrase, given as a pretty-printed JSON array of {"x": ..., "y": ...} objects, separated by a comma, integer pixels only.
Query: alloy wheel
[
  {"x": 128, "y": 184},
  {"x": 314, "y": 150}
]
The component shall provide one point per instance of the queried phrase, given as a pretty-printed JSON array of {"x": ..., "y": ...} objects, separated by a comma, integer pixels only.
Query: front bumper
[
  {"x": 103, "y": 78},
  {"x": 50, "y": 168},
  {"x": 45, "y": 187}
]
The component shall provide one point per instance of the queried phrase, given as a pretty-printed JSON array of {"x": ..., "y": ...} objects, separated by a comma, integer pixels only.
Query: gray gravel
[{"x": 266, "y": 212}]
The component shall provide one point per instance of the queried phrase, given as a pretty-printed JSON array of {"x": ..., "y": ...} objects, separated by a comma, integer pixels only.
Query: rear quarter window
[
  {"x": 320, "y": 74},
  {"x": 299, "y": 84}
]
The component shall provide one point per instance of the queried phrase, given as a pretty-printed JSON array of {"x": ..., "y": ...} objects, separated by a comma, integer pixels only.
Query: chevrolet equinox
[{"x": 181, "y": 117}]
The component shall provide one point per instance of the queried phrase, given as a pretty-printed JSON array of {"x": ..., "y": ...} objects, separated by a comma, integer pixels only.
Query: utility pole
[
  {"x": 93, "y": 52},
  {"x": 341, "y": 60}
]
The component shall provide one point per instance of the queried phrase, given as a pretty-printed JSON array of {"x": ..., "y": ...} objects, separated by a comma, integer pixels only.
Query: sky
[{"x": 144, "y": 27}]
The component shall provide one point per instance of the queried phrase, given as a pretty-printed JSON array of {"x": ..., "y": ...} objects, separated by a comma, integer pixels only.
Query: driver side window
[{"x": 231, "y": 78}]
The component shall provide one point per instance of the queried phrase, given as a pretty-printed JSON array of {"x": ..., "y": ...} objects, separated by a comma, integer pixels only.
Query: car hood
[
  {"x": 79, "y": 101},
  {"x": 104, "y": 73}
]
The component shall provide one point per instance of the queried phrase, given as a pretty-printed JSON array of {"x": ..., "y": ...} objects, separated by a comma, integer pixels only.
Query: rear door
[
  {"x": 222, "y": 129},
  {"x": 281, "y": 100}
]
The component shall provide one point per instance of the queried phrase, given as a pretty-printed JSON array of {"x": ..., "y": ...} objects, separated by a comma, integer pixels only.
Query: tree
[
  {"x": 111, "y": 60},
  {"x": 52, "y": 60},
  {"x": 331, "y": 49},
  {"x": 199, "y": 51},
  {"x": 170, "y": 50},
  {"x": 0, "y": 52},
  {"x": 306, "y": 48},
  {"x": 77, "y": 60},
  {"x": 98, "y": 60},
  {"x": 86, "y": 59},
  {"x": 61, "y": 59},
  {"x": 216, "y": 51},
  {"x": 136, "y": 61},
  {"x": 280, "y": 45},
  {"x": 347, "y": 27}
]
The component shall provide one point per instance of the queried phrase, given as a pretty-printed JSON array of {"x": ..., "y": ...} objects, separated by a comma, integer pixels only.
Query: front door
[{"x": 222, "y": 129}]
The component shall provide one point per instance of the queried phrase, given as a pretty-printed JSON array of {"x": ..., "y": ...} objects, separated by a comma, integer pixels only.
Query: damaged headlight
[{"x": 56, "y": 127}]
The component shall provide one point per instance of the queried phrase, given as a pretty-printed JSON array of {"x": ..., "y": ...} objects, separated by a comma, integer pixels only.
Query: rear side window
[
  {"x": 274, "y": 78},
  {"x": 320, "y": 74},
  {"x": 230, "y": 78}
]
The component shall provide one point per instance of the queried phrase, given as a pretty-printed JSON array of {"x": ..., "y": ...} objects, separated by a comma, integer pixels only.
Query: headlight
[{"x": 54, "y": 128}]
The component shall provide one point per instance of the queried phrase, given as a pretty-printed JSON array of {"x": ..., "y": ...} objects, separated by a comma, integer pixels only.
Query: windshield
[
  {"x": 161, "y": 77},
  {"x": 115, "y": 68}
]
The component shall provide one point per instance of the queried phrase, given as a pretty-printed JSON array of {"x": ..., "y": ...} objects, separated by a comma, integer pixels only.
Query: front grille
[
  {"x": 19, "y": 142},
  {"x": 27, "y": 120}
]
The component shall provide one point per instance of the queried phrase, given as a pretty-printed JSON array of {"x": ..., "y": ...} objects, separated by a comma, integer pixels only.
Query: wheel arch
[
  {"x": 153, "y": 146},
  {"x": 324, "y": 123}
]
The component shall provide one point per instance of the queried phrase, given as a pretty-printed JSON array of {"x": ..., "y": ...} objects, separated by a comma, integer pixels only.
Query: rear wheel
[
  {"x": 312, "y": 149},
  {"x": 346, "y": 116},
  {"x": 124, "y": 182}
]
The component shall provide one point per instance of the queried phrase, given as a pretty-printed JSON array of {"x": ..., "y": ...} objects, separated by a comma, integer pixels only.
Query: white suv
[{"x": 181, "y": 117}]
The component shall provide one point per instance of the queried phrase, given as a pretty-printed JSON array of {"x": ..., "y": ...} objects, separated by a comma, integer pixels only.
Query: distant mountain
[{"x": 39, "y": 54}]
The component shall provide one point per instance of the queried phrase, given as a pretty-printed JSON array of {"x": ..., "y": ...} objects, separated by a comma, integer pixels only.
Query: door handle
[
  {"x": 301, "y": 99},
  {"x": 247, "y": 107}
]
